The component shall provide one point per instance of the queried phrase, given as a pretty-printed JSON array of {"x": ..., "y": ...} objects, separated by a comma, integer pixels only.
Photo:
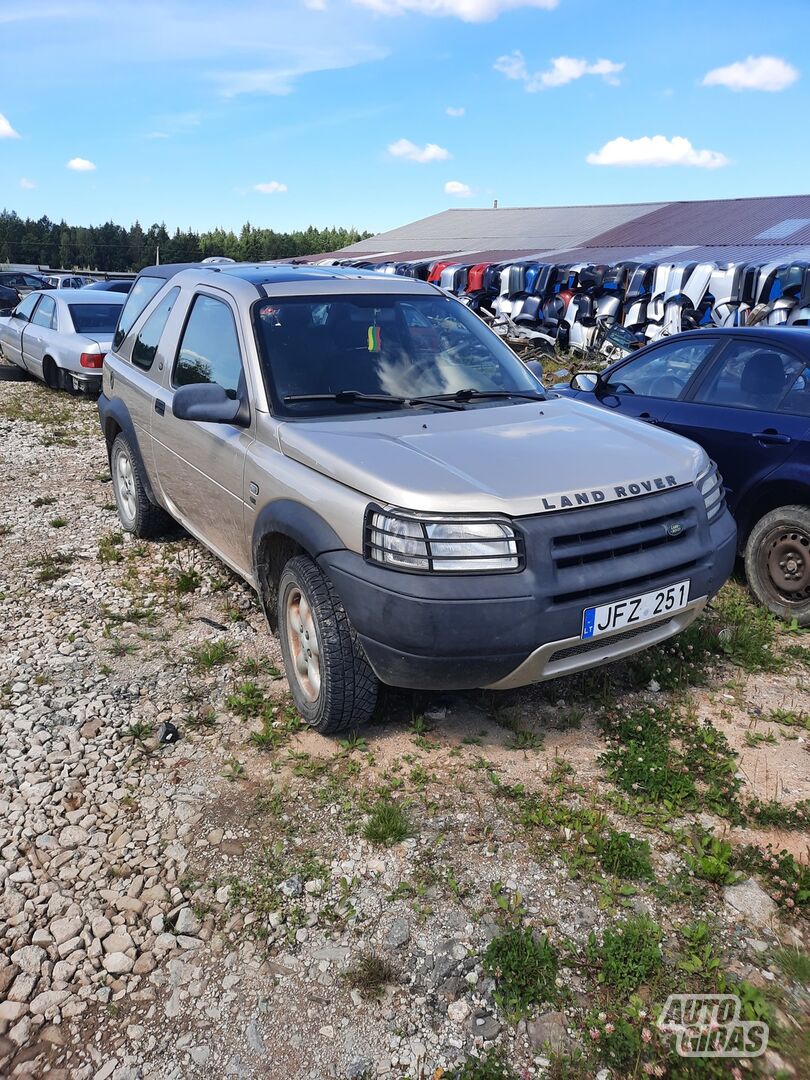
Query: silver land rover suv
[{"x": 410, "y": 505}]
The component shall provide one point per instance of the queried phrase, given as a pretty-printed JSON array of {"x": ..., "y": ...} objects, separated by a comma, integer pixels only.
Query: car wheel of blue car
[{"x": 777, "y": 562}]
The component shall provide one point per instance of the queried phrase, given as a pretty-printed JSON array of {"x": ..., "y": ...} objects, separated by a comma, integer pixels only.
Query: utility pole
[{"x": 157, "y": 255}]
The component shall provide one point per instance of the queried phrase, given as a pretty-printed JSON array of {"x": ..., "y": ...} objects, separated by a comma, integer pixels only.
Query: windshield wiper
[
  {"x": 349, "y": 397},
  {"x": 475, "y": 395}
]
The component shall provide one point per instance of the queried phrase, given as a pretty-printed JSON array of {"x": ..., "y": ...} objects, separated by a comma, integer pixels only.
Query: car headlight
[
  {"x": 439, "y": 544},
  {"x": 710, "y": 486}
]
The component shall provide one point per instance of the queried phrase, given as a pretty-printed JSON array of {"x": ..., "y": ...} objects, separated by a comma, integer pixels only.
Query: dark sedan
[
  {"x": 744, "y": 396},
  {"x": 111, "y": 286}
]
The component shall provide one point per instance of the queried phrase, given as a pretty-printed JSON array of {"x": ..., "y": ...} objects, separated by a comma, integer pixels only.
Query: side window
[
  {"x": 140, "y": 294},
  {"x": 44, "y": 315},
  {"x": 662, "y": 372},
  {"x": 26, "y": 306},
  {"x": 146, "y": 343},
  {"x": 209, "y": 349},
  {"x": 752, "y": 375},
  {"x": 797, "y": 399}
]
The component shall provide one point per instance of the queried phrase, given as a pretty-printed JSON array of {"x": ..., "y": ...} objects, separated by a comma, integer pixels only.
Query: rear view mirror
[
  {"x": 209, "y": 403},
  {"x": 585, "y": 381}
]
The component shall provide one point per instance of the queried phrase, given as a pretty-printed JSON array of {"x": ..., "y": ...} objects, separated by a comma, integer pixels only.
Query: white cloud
[
  {"x": 451, "y": 110},
  {"x": 281, "y": 78},
  {"x": 466, "y": 10},
  {"x": 404, "y": 148},
  {"x": 656, "y": 150},
  {"x": 26, "y": 184},
  {"x": 6, "y": 130},
  {"x": 457, "y": 189},
  {"x": 80, "y": 164},
  {"x": 271, "y": 188},
  {"x": 754, "y": 73},
  {"x": 564, "y": 69}
]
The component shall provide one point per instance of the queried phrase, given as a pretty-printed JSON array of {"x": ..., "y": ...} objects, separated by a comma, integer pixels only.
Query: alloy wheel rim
[
  {"x": 786, "y": 558},
  {"x": 125, "y": 486},
  {"x": 304, "y": 644}
]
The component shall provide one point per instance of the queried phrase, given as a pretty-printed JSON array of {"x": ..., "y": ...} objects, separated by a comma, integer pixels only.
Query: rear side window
[
  {"x": 209, "y": 349},
  {"x": 139, "y": 296},
  {"x": 756, "y": 375},
  {"x": 45, "y": 313},
  {"x": 146, "y": 343}
]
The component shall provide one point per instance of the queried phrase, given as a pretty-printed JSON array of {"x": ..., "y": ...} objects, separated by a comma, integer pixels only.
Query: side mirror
[
  {"x": 209, "y": 403},
  {"x": 19, "y": 315},
  {"x": 585, "y": 381}
]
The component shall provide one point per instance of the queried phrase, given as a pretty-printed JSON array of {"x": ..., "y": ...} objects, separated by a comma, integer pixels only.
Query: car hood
[{"x": 515, "y": 459}]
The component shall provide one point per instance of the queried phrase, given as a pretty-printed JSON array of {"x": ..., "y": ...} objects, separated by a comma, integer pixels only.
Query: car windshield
[
  {"x": 94, "y": 318},
  {"x": 400, "y": 346}
]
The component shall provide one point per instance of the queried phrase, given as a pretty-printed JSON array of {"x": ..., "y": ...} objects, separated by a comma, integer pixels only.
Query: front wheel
[
  {"x": 777, "y": 562},
  {"x": 331, "y": 681}
]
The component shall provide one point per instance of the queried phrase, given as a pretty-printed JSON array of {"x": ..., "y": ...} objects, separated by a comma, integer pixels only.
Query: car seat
[{"x": 762, "y": 382}]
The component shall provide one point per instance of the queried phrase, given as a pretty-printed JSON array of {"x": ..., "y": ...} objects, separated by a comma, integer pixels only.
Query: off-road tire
[
  {"x": 144, "y": 519},
  {"x": 348, "y": 687},
  {"x": 779, "y": 544}
]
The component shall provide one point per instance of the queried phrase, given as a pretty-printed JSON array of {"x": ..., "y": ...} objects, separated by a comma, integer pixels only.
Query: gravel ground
[{"x": 214, "y": 905}]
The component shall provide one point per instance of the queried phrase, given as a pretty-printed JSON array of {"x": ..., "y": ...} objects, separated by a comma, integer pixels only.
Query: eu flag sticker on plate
[{"x": 588, "y": 622}]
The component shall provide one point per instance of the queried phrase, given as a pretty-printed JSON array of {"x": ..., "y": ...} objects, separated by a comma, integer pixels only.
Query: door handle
[
  {"x": 650, "y": 419},
  {"x": 772, "y": 437},
  {"x": 160, "y": 407}
]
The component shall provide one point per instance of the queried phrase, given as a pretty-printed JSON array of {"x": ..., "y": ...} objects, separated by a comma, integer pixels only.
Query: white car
[
  {"x": 65, "y": 281},
  {"x": 61, "y": 336}
]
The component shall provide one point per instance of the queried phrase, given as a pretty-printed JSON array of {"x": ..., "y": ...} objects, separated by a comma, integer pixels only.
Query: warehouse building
[{"x": 721, "y": 230}]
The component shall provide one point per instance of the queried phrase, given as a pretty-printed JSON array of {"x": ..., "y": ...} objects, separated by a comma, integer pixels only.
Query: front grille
[
  {"x": 626, "y": 548},
  {"x": 601, "y": 643},
  {"x": 579, "y": 549}
]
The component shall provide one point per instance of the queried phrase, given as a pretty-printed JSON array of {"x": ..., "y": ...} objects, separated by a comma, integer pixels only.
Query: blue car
[{"x": 743, "y": 394}]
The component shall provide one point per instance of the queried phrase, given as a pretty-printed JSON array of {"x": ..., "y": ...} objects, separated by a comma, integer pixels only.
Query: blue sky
[{"x": 362, "y": 112}]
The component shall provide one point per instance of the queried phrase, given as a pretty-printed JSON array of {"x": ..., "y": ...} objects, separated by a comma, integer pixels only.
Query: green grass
[
  {"x": 52, "y": 566},
  {"x": 624, "y": 856},
  {"x": 629, "y": 954},
  {"x": 795, "y": 963},
  {"x": 774, "y": 812},
  {"x": 671, "y": 759},
  {"x": 43, "y": 500},
  {"x": 58, "y": 522},
  {"x": 711, "y": 859},
  {"x": 387, "y": 824},
  {"x": 524, "y": 965},
  {"x": 187, "y": 581},
  {"x": 491, "y": 1066},
  {"x": 370, "y": 975},
  {"x": 109, "y": 547},
  {"x": 249, "y": 700},
  {"x": 212, "y": 654}
]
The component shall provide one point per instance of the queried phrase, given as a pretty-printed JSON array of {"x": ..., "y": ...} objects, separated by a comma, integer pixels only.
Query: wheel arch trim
[{"x": 115, "y": 417}]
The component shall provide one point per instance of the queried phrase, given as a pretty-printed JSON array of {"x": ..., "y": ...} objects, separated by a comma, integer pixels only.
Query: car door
[
  {"x": 37, "y": 338},
  {"x": 646, "y": 385},
  {"x": 12, "y": 331},
  {"x": 201, "y": 466},
  {"x": 743, "y": 410}
]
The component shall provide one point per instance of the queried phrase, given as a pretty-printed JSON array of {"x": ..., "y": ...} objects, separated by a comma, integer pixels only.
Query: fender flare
[
  {"x": 303, "y": 530},
  {"x": 113, "y": 411},
  {"x": 299, "y": 523}
]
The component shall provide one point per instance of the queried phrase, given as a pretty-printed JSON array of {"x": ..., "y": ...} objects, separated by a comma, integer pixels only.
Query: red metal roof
[{"x": 777, "y": 220}]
